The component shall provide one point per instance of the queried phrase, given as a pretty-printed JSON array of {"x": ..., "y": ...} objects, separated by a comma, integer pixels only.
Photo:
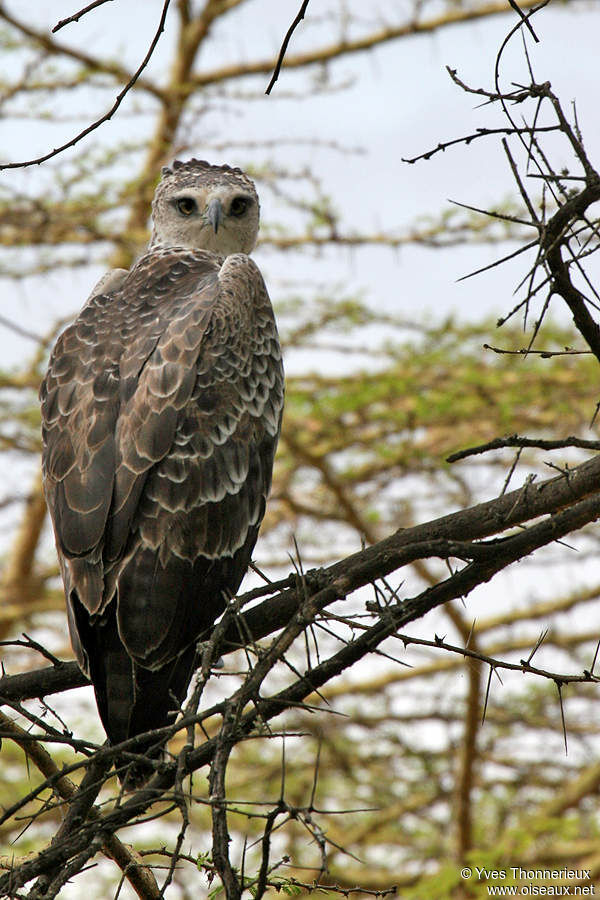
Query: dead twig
[
  {"x": 78, "y": 15},
  {"x": 108, "y": 115},
  {"x": 284, "y": 46}
]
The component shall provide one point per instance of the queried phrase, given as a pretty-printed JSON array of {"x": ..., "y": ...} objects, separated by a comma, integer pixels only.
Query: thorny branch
[
  {"x": 455, "y": 535},
  {"x": 573, "y": 502},
  {"x": 515, "y": 441},
  {"x": 141, "y": 878}
]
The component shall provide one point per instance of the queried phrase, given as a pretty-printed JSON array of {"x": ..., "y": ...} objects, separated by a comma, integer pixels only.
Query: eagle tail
[{"x": 133, "y": 700}]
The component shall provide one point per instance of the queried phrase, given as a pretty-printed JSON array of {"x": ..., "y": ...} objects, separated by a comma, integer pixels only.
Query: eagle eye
[
  {"x": 186, "y": 206},
  {"x": 239, "y": 205}
]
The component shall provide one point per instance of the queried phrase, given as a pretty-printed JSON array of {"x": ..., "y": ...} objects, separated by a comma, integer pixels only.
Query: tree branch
[
  {"x": 139, "y": 876},
  {"x": 78, "y": 15},
  {"x": 447, "y": 536},
  {"x": 284, "y": 46},
  {"x": 108, "y": 115},
  {"x": 55, "y": 48},
  {"x": 453, "y": 16}
]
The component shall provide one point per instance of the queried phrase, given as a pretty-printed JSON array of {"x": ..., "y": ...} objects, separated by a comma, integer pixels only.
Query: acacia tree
[{"x": 278, "y": 773}]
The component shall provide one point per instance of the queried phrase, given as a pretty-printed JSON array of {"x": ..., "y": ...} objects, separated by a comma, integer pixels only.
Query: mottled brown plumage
[{"x": 161, "y": 412}]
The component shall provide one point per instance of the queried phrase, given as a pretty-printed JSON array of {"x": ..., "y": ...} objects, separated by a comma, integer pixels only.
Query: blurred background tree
[{"x": 384, "y": 382}]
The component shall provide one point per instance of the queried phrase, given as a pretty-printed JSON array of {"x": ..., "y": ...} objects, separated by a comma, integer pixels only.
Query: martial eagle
[{"x": 161, "y": 411}]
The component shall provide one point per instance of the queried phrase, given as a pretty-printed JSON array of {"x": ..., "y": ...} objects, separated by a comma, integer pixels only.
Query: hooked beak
[{"x": 215, "y": 214}]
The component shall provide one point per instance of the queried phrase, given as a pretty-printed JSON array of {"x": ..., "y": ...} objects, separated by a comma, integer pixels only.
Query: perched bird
[{"x": 161, "y": 411}]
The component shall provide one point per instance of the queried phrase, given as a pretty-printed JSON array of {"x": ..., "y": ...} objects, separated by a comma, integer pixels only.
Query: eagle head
[{"x": 205, "y": 207}]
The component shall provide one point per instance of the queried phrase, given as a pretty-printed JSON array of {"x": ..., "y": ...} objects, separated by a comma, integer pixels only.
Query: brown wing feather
[
  {"x": 161, "y": 413},
  {"x": 197, "y": 518}
]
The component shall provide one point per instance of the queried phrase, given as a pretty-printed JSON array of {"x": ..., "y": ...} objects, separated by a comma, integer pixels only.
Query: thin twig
[
  {"x": 78, "y": 15},
  {"x": 469, "y": 138},
  {"x": 515, "y": 441},
  {"x": 285, "y": 43},
  {"x": 108, "y": 115}
]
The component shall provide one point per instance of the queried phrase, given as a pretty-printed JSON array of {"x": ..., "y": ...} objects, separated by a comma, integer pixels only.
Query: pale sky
[{"x": 402, "y": 103}]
